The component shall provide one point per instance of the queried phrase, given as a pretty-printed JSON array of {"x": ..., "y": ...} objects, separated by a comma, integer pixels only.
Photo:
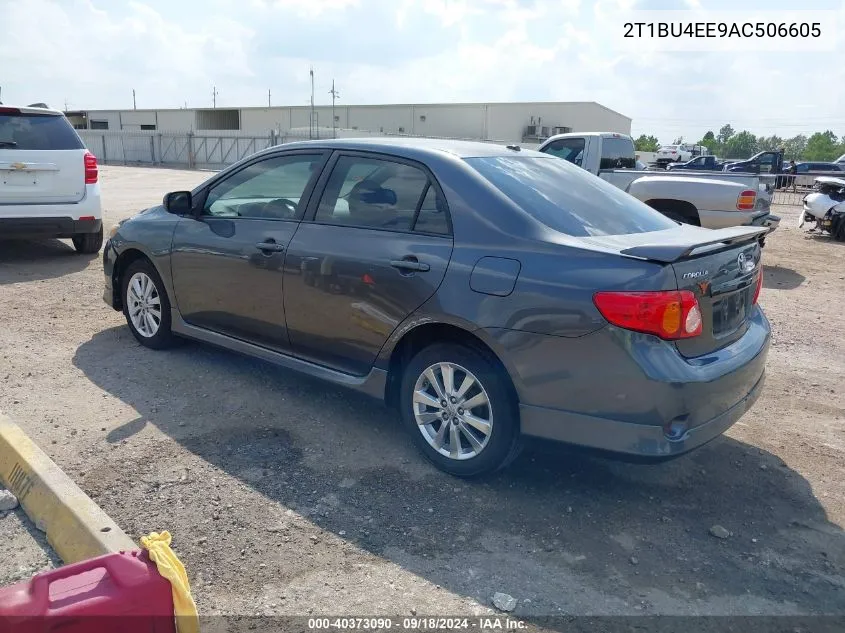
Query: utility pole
[
  {"x": 311, "y": 130},
  {"x": 335, "y": 95},
  {"x": 268, "y": 98},
  {"x": 214, "y": 94},
  {"x": 134, "y": 107}
]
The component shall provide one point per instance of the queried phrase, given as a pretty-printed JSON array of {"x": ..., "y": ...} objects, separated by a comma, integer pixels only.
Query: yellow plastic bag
[{"x": 170, "y": 567}]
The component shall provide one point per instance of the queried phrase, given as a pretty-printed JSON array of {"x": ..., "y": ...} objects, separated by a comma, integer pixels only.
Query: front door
[
  {"x": 227, "y": 263},
  {"x": 376, "y": 249}
]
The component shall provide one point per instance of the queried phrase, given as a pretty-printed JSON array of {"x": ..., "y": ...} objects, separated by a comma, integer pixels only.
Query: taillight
[
  {"x": 91, "y": 171},
  {"x": 671, "y": 315},
  {"x": 746, "y": 200},
  {"x": 8, "y": 110},
  {"x": 759, "y": 284}
]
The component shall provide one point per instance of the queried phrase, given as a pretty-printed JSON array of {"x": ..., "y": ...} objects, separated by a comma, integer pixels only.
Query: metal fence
[
  {"x": 174, "y": 149},
  {"x": 199, "y": 150}
]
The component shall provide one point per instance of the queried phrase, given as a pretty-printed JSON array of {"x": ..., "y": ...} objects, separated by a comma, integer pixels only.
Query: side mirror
[{"x": 178, "y": 202}]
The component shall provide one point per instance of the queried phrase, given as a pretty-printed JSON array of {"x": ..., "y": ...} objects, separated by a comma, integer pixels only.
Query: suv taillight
[
  {"x": 746, "y": 200},
  {"x": 91, "y": 171},
  {"x": 671, "y": 315}
]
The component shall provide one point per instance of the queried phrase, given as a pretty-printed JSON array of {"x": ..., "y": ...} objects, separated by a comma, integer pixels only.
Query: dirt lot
[{"x": 288, "y": 496}]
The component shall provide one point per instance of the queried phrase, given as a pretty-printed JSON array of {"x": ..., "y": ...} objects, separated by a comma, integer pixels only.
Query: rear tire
[
  {"x": 477, "y": 381},
  {"x": 146, "y": 305},
  {"x": 88, "y": 243}
]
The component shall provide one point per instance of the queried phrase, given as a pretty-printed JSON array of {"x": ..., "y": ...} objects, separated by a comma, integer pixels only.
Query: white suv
[{"x": 48, "y": 180}]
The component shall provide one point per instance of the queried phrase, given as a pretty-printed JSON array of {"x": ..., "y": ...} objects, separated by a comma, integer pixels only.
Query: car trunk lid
[{"x": 720, "y": 267}]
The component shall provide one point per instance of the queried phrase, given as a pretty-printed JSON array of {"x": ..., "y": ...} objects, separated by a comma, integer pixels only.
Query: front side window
[
  {"x": 568, "y": 199},
  {"x": 270, "y": 189},
  {"x": 372, "y": 193},
  {"x": 569, "y": 149}
]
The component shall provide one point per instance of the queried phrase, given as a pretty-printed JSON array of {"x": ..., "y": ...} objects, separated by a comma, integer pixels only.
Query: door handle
[
  {"x": 410, "y": 265},
  {"x": 270, "y": 247}
]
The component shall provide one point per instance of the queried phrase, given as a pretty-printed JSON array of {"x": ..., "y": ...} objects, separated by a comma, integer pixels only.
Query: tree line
[{"x": 821, "y": 146}]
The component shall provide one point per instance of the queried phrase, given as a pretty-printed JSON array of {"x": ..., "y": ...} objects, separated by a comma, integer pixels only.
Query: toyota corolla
[{"x": 488, "y": 293}]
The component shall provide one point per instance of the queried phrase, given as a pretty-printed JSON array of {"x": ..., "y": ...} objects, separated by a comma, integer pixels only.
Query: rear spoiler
[{"x": 680, "y": 247}]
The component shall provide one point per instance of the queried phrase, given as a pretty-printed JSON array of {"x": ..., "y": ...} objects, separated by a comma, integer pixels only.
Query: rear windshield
[
  {"x": 568, "y": 199},
  {"x": 37, "y": 131}
]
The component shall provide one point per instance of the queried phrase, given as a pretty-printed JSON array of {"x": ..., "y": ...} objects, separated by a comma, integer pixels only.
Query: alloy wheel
[{"x": 452, "y": 410}]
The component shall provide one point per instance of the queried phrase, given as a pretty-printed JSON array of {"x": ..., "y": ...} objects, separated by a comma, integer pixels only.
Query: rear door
[
  {"x": 371, "y": 251},
  {"x": 41, "y": 158}
]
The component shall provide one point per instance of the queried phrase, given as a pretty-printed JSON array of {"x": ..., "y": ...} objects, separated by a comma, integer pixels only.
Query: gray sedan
[{"x": 488, "y": 293}]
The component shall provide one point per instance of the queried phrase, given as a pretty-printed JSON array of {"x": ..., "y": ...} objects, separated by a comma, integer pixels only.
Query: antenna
[
  {"x": 335, "y": 95},
  {"x": 214, "y": 94}
]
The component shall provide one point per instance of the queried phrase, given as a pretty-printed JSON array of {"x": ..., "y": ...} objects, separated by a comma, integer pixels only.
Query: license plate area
[
  {"x": 731, "y": 311},
  {"x": 19, "y": 178}
]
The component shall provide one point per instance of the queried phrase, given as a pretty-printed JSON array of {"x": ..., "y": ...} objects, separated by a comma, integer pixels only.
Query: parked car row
[{"x": 487, "y": 293}]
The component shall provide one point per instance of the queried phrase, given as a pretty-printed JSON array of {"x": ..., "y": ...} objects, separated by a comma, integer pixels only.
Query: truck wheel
[{"x": 88, "y": 243}]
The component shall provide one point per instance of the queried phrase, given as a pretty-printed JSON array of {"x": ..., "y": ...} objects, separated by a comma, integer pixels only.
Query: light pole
[
  {"x": 311, "y": 127},
  {"x": 335, "y": 95}
]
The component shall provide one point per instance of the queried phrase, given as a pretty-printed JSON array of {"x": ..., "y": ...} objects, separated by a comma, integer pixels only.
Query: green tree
[
  {"x": 741, "y": 145},
  {"x": 769, "y": 143},
  {"x": 678, "y": 140},
  {"x": 725, "y": 132},
  {"x": 710, "y": 142},
  {"x": 795, "y": 147},
  {"x": 821, "y": 146},
  {"x": 646, "y": 143}
]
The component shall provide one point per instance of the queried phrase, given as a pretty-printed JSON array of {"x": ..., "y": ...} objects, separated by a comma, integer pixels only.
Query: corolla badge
[
  {"x": 695, "y": 274},
  {"x": 746, "y": 264}
]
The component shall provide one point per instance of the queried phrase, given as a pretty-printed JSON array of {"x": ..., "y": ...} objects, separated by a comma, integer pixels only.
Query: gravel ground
[
  {"x": 23, "y": 549},
  {"x": 288, "y": 496}
]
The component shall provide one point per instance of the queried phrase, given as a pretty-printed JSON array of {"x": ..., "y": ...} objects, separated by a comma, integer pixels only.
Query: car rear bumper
[
  {"x": 632, "y": 393},
  {"x": 640, "y": 440},
  {"x": 46, "y": 227},
  {"x": 725, "y": 219}
]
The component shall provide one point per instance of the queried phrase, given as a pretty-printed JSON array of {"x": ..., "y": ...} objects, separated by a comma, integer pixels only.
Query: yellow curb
[{"x": 77, "y": 528}]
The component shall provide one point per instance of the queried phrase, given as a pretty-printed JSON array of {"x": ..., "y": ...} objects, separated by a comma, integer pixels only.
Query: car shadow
[
  {"x": 560, "y": 530},
  {"x": 22, "y": 261},
  {"x": 780, "y": 278}
]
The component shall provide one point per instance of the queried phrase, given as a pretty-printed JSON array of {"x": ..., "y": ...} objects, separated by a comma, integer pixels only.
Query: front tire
[
  {"x": 88, "y": 243},
  {"x": 146, "y": 305},
  {"x": 460, "y": 409}
]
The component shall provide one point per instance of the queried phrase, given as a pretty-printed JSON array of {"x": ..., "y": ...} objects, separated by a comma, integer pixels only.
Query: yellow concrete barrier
[{"x": 77, "y": 528}]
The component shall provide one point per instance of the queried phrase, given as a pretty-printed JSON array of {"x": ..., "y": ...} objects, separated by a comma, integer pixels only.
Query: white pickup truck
[{"x": 714, "y": 201}]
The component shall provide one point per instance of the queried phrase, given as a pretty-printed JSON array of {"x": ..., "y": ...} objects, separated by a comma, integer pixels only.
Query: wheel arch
[
  {"x": 408, "y": 341},
  {"x": 124, "y": 259},
  {"x": 673, "y": 207}
]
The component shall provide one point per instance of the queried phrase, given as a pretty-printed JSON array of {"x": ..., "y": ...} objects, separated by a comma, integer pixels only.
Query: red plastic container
[{"x": 116, "y": 592}]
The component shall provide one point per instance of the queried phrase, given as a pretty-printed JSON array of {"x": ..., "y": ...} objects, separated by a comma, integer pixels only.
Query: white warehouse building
[{"x": 510, "y": 122}]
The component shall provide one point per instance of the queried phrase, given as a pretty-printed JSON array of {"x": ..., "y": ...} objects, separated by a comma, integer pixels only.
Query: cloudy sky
[{"x": 92, "y": 53}]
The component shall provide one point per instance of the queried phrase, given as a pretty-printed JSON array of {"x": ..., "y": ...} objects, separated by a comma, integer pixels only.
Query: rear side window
[
  {"x": 617, "y": 153},
  {"x": 372, "y": 193},
  {"x": 568, "y": 199},
  {"x": 38, "y": 132}
]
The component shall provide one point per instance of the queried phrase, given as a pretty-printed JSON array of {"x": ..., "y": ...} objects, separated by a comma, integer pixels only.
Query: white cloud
[{"x": 94, "y": 52}]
